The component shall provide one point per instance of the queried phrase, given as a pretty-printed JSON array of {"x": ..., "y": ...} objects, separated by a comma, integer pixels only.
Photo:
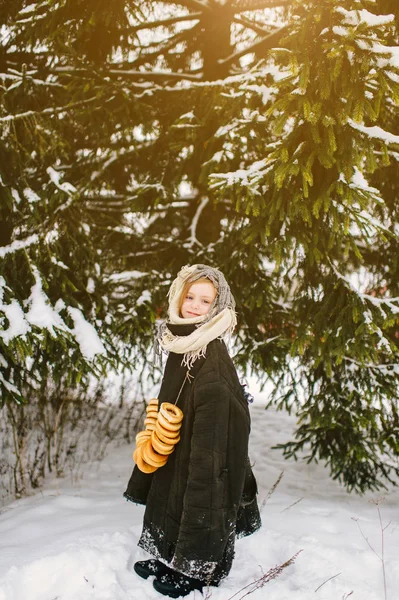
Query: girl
[{"x": 205, "y": 495}]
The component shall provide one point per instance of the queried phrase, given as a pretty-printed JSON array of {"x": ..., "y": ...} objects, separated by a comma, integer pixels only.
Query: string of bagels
[
  {"x": 157, "y": 441},
  {"x": 161, "y": 434}
]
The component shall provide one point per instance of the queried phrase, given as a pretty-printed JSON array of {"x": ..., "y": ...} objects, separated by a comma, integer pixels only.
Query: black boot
[
  {"x": 146, "y": 568},
  {"x": 174, "y": 584}
]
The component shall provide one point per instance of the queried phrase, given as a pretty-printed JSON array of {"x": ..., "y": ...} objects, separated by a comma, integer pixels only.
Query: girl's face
[{"x": 198, "y": 300}]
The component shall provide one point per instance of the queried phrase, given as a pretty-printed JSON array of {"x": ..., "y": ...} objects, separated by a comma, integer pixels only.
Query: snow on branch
[
  {"x": 193, "y": 227},
  {"x": 87, "y": 337},
  {"x": 375, "y": 132},
  {"x": 18, "y": 325},
  {"x": 355, "y": 17},
  {"x": 132, "y": 73},
  {"x": 18, "y": 245},
  {"x": 391, "y": 303},
  {"x": 249, "y": 177},
  {"x": 46, "y": 111},
  {"x": 43, "y": 315},
  {"x": 386, "y": 368},
  {"x": 248, "y": 5},
  {"x": 18, "y": 79},
  {"x": 10, "y": 387},
  {"x": 125, "y": 276},
  {"x": 55, "y": 177}
]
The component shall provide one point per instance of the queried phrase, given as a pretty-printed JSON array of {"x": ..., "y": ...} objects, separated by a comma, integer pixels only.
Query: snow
[
  {"x": 16, "y": 196},
  {"x": 354, "y": 17},
  {"x": 126, "y": 275},
  {"x": 31, "y": 195},
  {"x": 375, "y": 132},
  {"x": 17, "y": 323},
  {"x": 18, "y": 244},
  {"x": 85, "y": 334},
  {"x": 145, "y": 297},
  {"x": 41, "y": 313},
  {"x": 59, "y": 263},
  {"x": 245, "y": 177},
  {"x": 341, "y": 31},
  {"x": 55, "y": 177},
  {"x": 91, "y": 286},
  {"x": 76, "y": 539}
]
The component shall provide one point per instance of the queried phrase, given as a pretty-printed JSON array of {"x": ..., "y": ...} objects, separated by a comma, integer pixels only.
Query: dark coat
[{"x": 206, "y": 492}]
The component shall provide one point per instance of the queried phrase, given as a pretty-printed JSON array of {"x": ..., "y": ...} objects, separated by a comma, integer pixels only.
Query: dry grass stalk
[
  {"x": 293, "y": 504},
  {"x": 272, "y": 489},
  {"x": 326, "y": 581},
  {"x": 271, "y": 574}
]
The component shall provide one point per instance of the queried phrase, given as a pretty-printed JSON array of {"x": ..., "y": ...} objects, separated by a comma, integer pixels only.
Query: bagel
[
  {"x": 150, "y": 423},
  {"x": 159, "y": 446},
  {"x": 151, "y": 457},
  {"x": 142, "y": 436},
  {"x": 171, "y": 412},
  {"x": 141, "y": 464},
  {"x": 169, "y": 434},
  {"x": 162, "y": 435},
  {"x": 173, "y": 427},
  {"x": 152, "y": 413},
  {"x": 153, "y": 402}
]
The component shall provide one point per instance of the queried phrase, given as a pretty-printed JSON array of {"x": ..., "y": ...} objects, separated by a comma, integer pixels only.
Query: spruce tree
[{"x": 254, "y": 135}]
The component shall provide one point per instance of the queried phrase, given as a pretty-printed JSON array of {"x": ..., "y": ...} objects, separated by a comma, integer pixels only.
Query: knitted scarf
[{"x": 220, "y": 321}]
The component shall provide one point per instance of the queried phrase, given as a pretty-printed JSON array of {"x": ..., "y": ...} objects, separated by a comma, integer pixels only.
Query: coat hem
[{"x": 132, "y": 499}]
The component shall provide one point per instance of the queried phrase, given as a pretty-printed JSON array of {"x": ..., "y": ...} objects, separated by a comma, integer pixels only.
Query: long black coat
[{"x": 205, "y": 495}]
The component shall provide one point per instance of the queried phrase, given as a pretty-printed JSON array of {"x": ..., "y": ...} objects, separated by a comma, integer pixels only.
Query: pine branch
[
  {"x": 191, "y": 4},
  {"x": 163, "y": 46},
  {"x": 248, "y": 5},
  {"x": 254, "y": 25},
  {"x": 266, "y": 42},
  {"x": 146, "y": 75},
  {"x": 24, "y": 56},
  {"x": 166, "y": 22},
  {"x": 46, "y": 111}
]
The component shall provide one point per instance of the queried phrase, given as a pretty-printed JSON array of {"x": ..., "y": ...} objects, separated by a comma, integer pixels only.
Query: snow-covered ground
[{"x": 76, "y": 540}]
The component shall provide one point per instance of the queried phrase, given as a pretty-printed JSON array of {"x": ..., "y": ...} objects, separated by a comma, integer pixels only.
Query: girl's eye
[{"x": 206, "y": 301}]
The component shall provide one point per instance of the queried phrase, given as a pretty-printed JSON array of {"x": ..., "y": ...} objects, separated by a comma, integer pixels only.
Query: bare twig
[
  {"x": 382, "y": 551},
  {"x": 381, "y": 557},
  {"x": 365, "y": 539}
]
